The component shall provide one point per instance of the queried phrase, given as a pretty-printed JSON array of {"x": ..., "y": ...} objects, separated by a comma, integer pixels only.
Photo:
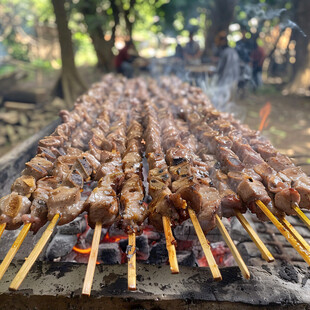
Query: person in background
[
  {"x": 192, "y": 51},
  {"x": 179, "y": 51},
  {"x": 228, "y": 68},
  {"x": 244, "y": 46},
  {"x": 257, "y": 58},
  {"x": 125, "y": 58}
]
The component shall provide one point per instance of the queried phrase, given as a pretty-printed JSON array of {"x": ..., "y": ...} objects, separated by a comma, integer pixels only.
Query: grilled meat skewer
[
  {"x": 228, "y": 159},
  {"x": 42, "y": 165},
  {"x": 133, "y": 208}
]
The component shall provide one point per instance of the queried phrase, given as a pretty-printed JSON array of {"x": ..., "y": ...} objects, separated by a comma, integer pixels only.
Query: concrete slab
[{"x": 59, "y": 285}]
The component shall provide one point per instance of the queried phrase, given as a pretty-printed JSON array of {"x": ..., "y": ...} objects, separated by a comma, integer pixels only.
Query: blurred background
[{"x": 250, "y": 57}]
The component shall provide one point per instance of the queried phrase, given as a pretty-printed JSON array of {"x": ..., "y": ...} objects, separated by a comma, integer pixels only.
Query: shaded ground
[
  {"x": 46, "y": 108},
  {"x": 288, "y": 125}
]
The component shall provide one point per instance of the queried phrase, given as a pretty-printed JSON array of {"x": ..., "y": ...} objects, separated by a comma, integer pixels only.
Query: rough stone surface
[{"x": 59, "y": 286}]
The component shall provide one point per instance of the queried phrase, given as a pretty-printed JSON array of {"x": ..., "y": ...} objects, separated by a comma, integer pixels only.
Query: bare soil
[{"x": 288, "y": 125}]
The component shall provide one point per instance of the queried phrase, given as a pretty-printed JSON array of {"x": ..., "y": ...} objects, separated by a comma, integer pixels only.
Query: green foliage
[
  {"x": 15, "y": 49},
  {"x": 42, "y": 64},
  {"x": 6, "y": 69},
  {"x": 17, "y": 21},
  {"x": 85, "y": 54},
  {"x": 178, "y": 15}
]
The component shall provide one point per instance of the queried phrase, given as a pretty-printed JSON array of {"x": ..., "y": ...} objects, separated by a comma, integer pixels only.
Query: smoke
[
  {"x": 258, "y": 11},
  {"x": 222, "y": 96},
  {"x": 225, "y": 93},
  {"x": 290, "y": 24},
  {"x": 262, "y": 14}
]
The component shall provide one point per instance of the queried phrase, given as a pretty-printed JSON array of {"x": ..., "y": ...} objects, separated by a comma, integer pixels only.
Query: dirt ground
[{"x": 288, "y": 125}]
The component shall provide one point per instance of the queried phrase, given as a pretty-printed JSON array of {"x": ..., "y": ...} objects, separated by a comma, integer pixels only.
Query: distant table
[
  {"x": 203, "y": 68},
  {"x": 198, "y": 73}
]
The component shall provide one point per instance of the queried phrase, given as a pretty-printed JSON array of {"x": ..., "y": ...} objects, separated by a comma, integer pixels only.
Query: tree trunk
[
  {"x": 221, "y": 16},
  {"x": 71, "y": 83},
  {"x": 300, "y": 81},
  {"x": 129, "y": 24},
  {"x": 103, "y": 47}
]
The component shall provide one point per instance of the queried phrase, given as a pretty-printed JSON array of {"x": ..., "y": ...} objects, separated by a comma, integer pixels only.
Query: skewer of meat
[
  {"x": 45, "y": 185},
  {"x": 102, "y": 204},
  {"x": 161, "y": 208},
  {"x": 133, "y": 208},
  {"x": 38, "y": 215},
  {"x": 295, "y": 191},
  {"x": 284, "y": 195},
  {"x": 238, "y": 173},
  {"x": 219, "y": 179},
  {"x": 72, "y": 170},
  {"x": 281, "y": 163},
  {"x": 234, "y": 163},
  {"x": 190, "y": 183},
  {"x": 276, "y": 161},
  {"x": 231, "y": 204},
  {"x": 70, "y": 204},
  {"x": 41, "y": 165},
  {"x": 184, "y": 166}
]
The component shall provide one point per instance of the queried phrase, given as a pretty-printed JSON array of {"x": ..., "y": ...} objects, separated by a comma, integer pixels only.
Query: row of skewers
[{"x": 161, "y": 153}]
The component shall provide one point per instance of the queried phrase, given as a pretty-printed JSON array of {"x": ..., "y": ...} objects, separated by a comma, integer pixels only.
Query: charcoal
[
  {"x": 114, "y": 231},
  {"x": 237, "y": 232},
  {"x": 186, "y": 231},
  {"x": 152, "y": 234},
  {"x": 109, "y": 253},
  {"x": 77, "y": 226},
  {"x": 90, "y": 234},
  {"x": 60, "y": 246},
  {"x": 215, "y": 235},
  {"x": 143, "y": 249},
  {"x": 186, "y": 258},
  {"x": 158, "y": 254}
]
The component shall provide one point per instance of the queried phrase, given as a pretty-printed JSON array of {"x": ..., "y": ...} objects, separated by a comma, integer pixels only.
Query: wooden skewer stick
[
  {"x": 132, "y": 262},
  {"x": 301, "y": 215},
  {"x": 29, "y": 261},
  {"x": 13, "y": 250},
  {"x": 244, "y": 269},
  {"x": 285, "y": 232},
  {"x": 295, "y": 233},
  {"x": 90, "y": 271},
  {"x": 174, "y": 267},
  {"x": 2, "y": 228},
  {"x": 205, "y": 246},
  {"x": 266, "y": 255}
]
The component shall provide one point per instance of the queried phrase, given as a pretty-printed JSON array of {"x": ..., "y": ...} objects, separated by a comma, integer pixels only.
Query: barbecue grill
[{"x": 283, "y": 283}]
